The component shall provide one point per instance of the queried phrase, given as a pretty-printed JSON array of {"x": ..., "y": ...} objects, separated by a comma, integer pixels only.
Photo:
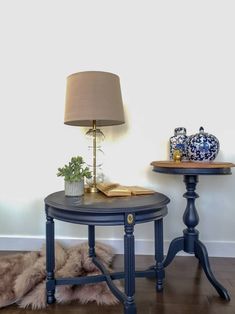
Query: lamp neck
[
  {"x": 94, "y": 125},
  {"x": 94, "y": 188}
]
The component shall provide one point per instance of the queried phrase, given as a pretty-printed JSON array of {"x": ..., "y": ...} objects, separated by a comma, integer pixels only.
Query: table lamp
[{"x": 93, "y": 98}]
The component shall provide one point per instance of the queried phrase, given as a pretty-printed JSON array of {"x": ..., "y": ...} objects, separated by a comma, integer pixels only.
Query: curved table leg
[
  {"x": 202, "y": 255},
  {"x": 176, "y": 245}
]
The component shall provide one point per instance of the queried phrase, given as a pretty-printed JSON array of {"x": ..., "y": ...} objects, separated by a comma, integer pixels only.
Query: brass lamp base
[{"x": 91, "y": 189}]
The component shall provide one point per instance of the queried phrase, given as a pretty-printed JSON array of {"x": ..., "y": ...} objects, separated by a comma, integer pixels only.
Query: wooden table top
[
  {"x": 191, "y": 164},
  {"x": 192, "y": 168}
]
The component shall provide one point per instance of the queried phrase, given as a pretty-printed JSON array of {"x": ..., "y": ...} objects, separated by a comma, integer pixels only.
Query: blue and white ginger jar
[
  {"x": 202, "y": 146},
  {"x": 178, "y": 141}
]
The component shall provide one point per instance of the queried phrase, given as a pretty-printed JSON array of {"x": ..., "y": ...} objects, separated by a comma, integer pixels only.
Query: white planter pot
[{"x": 74, "y": 188}]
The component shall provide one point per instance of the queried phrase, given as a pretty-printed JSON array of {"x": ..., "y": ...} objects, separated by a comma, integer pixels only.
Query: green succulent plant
[{"x": 75, "y": 170}]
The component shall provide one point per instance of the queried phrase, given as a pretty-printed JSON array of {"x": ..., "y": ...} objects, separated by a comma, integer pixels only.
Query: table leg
[
  {"x": 189, "y": 242},
  {"x": 159, "y": 253},
  {"x": 50, "y": 260},
  {"x": 129, "y": 264},
  {"x": 91, "y": 240},
  {"x": 191, "y": 235},
  {"x": 176, "y": 245},
  {"x": 201, "y": 253}
]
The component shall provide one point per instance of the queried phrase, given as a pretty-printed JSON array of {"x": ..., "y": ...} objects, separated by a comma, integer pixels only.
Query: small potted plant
[{"x": 74, "y": 173}]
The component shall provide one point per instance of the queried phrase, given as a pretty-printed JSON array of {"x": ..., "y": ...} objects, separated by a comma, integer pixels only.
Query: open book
[{"x": 115, "y": 189}]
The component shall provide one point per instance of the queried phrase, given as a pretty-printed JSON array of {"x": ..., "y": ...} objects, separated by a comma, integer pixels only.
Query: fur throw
[{"x": 23, "y": 277}]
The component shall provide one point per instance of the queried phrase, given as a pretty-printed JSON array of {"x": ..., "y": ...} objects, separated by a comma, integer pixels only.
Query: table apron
[{"x": 103, "y": 219}]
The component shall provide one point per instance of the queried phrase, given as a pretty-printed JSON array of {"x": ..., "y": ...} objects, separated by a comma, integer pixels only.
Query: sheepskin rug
[{"x": 23, "y": 277}]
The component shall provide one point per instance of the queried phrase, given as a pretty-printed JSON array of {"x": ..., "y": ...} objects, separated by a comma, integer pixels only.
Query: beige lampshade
[{"x": 93, "y": 95}]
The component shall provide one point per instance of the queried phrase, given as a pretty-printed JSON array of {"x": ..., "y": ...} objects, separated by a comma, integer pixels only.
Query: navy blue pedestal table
[
  {"x": 190, "y": 242},
  {"x": 95, "y": 209}
]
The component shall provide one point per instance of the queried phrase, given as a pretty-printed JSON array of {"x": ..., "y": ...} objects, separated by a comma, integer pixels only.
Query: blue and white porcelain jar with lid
[
  {"x": 178, "y": 142},
  {"x": 202, "y": 146}
]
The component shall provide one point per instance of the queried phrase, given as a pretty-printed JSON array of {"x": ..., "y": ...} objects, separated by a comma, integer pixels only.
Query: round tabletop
[
  {"x": 192, "y": 168},
  {"x": 98, "y": 209}
]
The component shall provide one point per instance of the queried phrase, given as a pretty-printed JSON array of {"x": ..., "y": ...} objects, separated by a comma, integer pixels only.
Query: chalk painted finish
[
  {"x": 190, "y": 242},
  {"x": 95, "y": 209}
]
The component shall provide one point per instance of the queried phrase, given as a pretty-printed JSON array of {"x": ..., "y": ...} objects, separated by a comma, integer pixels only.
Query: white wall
[{"x": 176, "y": 63}]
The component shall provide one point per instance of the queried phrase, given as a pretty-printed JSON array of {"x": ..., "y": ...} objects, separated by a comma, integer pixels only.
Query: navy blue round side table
[
  {"x": 190, "y": 242},
  {"x": 95, "y": 209}
]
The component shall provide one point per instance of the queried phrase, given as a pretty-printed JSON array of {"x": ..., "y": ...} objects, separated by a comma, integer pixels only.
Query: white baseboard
[{"x": 142, "y": 246}]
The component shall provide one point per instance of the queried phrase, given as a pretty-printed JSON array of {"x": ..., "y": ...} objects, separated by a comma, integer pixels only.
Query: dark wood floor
[{"x": 186, "y": 291}]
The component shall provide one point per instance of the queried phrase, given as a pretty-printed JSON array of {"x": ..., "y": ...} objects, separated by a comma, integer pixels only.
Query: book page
[{"x": 115, "y": 189}]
